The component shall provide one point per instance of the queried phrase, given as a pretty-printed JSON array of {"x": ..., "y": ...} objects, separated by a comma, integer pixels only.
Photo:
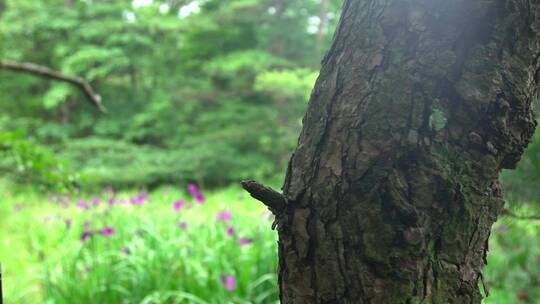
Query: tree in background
[
  {"x": 392, "y": 191},
  {"x": 185, "y": 83}
]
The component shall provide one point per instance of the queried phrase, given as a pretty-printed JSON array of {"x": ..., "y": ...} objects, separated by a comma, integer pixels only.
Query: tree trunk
[
  {"x": 392, "y": 191},
  {"x": 323, "y": 20},
  {"x": 277, "y": 46}
]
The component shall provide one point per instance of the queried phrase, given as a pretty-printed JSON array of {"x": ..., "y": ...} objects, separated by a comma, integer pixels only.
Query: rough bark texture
[{"x": 393, "y": 188}]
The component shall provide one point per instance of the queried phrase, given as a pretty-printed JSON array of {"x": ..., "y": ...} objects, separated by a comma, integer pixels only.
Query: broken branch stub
[{"x": 268, "y": 196}]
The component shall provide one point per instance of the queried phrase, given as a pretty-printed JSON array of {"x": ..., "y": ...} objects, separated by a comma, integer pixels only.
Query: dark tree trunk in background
[
  {"x": 277, "y": 46},
  {"x": 393, "y": 188},
  {"x": 323, "y": 20}
]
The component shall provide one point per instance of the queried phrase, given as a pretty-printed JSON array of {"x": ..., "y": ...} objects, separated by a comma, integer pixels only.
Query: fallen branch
[{"x": 44, "y": 71}]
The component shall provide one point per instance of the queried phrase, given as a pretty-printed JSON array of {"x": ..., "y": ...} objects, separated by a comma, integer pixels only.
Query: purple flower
[
  {"x": 126, "y": 250},
  {"x": 107, "y": 231},
  {"x": 199, "y": 198},
  {"x": 196, "y": 193},
  {"x": 64, "y": 205},
  {"x": 228, "y": 281},
  {"x": 193, "y": 189},
  {"x": 96, "y": 201},
  {"x": 179, "y": 204},
  {"x": 245, "y": 241},
  {"x": 86, "y": 235},
  {"x": 111, "y": 201},
  {"x": 182, "y": 225},
  {"x": 230, "y": 230},
  {"x": 139, "y": 199},
  {"x": 224, "y": 216},
  {"x": 82, "y": 204}
]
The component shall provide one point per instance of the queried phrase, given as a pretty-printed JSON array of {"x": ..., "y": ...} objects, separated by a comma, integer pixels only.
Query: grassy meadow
[
  {"x": 161, "y": 247},
  {"x": 172, "y": 246}
]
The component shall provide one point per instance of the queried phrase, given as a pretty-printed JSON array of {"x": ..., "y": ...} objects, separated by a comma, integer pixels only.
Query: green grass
[{"x": 44, "y": 260}]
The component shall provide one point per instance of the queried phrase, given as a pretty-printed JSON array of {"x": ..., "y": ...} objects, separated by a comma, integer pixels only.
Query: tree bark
[{"x": 393, "y": 188}]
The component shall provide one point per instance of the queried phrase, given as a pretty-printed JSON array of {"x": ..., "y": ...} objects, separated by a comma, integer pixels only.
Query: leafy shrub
[
  {"x": 523, "y": 184},
  {"x": 31, "y": 163},
  {"x": 105, "y": 162}
]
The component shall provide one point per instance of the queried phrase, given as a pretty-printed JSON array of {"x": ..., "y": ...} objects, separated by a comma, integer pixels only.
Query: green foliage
[
  {"x": 32, "y": 163},
  {"x": 522, "y": 184},
  {"x": 513, "y": 274},
  {"x": 146, "y": 260},
  {"x": 214, "y": 93},
  {"x": 287, "y": 84}
]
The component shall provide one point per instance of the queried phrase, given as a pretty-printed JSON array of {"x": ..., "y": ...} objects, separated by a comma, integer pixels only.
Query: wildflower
[
  {"x": 108, "y": 189},
  {"x": 126, "y": 250},
  {"x": 199, "y": 198},
  {"x": 111, "y": 201},
  {"x": 196, "y": 193},
  {"x": 228, "y": 281},
  {"x": 64, "y": 205},
  {"x": 224, "y": 216},
  {"x": 230, "y": 230},
  {"x": 96, "y": 201},
  {"x": 193, "y": 189},
  {"x": 68, "y": 223},
  {"x": 139, "y": 199},
  {"x": 86, "y": 235},
  {"x": 245, "y": 241},
  {"x": 82, "y": 204},
  {"x": 182, "y": 225},
  {"x": 107, "y": 231},
  {"x": 179, "y": 204}
]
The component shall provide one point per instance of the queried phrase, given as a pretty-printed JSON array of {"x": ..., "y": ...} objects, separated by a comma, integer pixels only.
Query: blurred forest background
[
  {"x": 210, "y": 91},
  {"x": 199, "y": 92}
]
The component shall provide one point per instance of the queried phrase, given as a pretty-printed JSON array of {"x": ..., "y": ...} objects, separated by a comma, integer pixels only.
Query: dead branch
[
  {"x": 43, "y": 71},
  {"x": 268, "y": 196}
]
